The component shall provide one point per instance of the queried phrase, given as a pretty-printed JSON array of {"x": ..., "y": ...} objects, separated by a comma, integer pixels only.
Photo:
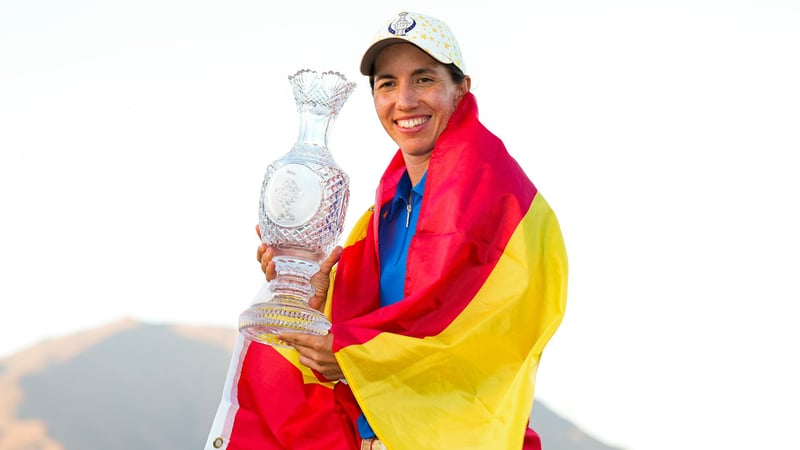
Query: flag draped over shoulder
[{"x": 453, "y": 364}]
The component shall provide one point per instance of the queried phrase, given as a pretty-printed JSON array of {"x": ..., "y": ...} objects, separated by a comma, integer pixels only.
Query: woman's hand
[{"x": 316, "y": 352}]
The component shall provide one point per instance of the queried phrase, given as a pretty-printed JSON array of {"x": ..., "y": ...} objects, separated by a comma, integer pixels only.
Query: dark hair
[{"x": 455, "y": 74}]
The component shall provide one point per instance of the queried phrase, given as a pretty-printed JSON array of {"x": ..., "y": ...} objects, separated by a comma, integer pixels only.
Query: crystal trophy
[{"x": 301, "y": 213}]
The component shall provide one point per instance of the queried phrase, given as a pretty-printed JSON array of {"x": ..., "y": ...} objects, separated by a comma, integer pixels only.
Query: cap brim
[{"x": 368, "y": 60}]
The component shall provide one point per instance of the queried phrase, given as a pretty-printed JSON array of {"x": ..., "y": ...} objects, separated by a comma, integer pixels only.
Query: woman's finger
[
  {"x": 326, "y": 265},
  {"x": 267, "y": 265},
  {"x": 260, "y": 252}
]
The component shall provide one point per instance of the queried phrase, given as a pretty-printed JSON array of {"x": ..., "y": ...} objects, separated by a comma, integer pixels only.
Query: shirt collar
[
  {"x": 419, "y": 189},
  {"x": 403, "y": 191}
]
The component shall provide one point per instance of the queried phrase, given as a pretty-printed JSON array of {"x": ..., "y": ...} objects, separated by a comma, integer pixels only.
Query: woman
[{"x": 441, "y": 303}]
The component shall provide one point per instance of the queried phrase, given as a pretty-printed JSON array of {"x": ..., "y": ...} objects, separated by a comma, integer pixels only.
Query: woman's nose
[{"x": 406, "y": 97}]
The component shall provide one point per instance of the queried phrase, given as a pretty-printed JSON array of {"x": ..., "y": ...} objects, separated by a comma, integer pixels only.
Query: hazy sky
[{"x": 134, "y": 138}]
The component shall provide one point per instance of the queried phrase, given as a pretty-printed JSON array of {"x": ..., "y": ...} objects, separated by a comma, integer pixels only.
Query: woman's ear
[
  {"x": 463, "y": 88},
  {"x": 467, "y": 83}
]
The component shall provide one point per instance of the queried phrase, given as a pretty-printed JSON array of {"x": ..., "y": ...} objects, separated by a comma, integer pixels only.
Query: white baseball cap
[{"x": 431, "y": 35}]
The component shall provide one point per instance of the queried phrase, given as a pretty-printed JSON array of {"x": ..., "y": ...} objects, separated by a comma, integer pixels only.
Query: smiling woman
[{"x": 439, "y": 315}]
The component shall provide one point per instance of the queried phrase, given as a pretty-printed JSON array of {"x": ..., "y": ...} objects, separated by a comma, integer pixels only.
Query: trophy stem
[{"x": 294, "y": 274}]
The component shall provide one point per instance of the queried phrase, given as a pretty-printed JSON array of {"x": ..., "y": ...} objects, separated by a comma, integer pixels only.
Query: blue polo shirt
[
  {"x": 397, "y": 226},
  {"x": 398, "y": 223}
]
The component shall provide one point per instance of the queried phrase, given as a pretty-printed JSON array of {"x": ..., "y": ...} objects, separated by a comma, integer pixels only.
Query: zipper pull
[{"x": 408, "y": 215}]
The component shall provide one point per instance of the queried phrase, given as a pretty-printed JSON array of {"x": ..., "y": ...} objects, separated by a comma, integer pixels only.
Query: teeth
[{"x": 411, "y": 123}]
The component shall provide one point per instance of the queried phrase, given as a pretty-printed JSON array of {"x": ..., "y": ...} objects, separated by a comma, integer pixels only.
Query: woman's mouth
[{"x": 411, "y": 123}]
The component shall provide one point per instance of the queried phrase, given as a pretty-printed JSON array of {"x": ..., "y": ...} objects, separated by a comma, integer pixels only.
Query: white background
[{"x": 134, "y": 137}]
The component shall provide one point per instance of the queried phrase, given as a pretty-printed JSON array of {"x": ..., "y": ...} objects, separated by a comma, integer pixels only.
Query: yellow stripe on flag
[{"x": 292, "y": 356}]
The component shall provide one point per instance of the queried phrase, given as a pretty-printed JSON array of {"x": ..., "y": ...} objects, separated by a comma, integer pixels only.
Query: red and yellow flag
[{"x": 453, "y": 364}]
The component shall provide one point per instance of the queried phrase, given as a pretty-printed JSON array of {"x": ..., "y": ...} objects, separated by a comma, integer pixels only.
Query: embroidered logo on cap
[{"x": 402, "y": 24}]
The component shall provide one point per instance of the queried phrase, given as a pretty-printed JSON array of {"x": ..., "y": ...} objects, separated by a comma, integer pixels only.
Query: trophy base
[{"x": 263, "y": 321}]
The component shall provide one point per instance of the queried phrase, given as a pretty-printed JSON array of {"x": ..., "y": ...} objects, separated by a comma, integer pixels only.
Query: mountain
[{"x": 133, "y": 386}]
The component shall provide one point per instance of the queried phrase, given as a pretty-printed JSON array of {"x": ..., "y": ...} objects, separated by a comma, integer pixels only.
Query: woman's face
[{"x": 414, "y": 97}]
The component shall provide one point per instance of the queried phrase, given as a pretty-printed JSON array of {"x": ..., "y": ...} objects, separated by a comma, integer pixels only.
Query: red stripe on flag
[{"x": 279, "y": 410}]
